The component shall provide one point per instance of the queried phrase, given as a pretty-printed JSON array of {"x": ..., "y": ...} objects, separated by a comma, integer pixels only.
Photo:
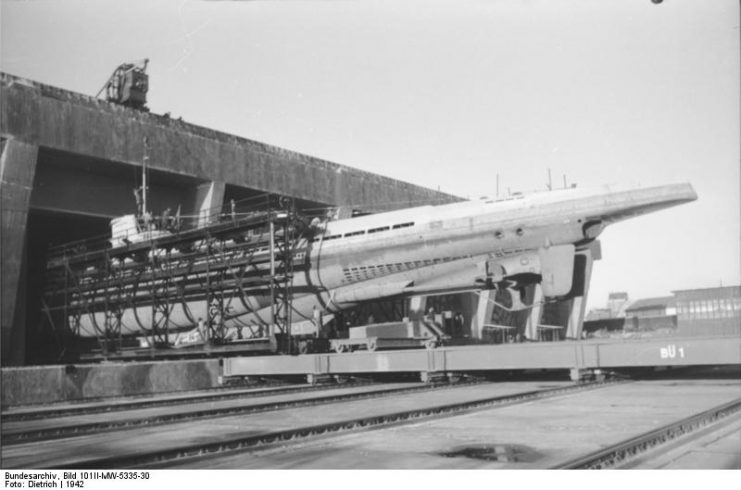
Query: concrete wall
[
  {"x": 47, "y": 384},
  {"x": 76, "y": 191},
  {"x": 61, "y": 120},
  {"x": 17, "y": 169}
]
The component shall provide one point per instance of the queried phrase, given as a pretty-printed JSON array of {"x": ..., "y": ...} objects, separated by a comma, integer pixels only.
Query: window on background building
[
  {"x": 721, "y": 313},
  {"x": 705, "y": 310}
]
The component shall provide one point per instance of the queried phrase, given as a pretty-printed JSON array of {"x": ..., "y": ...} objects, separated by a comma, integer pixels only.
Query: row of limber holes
[
  {"x": 499, "y": 234},
  {"x": 363, "y": 232}
]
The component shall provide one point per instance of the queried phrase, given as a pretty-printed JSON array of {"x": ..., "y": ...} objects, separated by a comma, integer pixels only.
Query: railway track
[
  {"x": 372, "y": 391},
  {"x": 222, "y": 394},
  {"x": 219, "y": 446},
  {"x": 623, "y": 452},
  {"x": 425, "y": 430}
]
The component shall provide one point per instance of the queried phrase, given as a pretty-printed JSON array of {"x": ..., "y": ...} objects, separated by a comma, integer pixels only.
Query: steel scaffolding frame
[
  {"x": 221, "y": 263},
  {"x": 283, "y": 243}
]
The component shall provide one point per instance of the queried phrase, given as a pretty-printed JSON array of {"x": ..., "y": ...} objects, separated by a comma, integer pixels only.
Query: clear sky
[{"x": 449, "y": 94}]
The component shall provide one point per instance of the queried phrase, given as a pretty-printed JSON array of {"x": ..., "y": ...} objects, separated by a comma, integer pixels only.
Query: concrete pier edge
[{"x": 35, "y": 385}]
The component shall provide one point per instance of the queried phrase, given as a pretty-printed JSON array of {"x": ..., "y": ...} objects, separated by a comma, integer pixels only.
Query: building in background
[
  {"x": 616, "y": 304},
  {"x": 709, "y": 311},
  {"x": 651, "y": 314},
  {"x": 689, "y": 312}
]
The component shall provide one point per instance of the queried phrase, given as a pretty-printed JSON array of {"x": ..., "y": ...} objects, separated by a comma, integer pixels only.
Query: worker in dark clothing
[
  {"x": 165, "y": 220},
  {"x": 138, "y": 198},
  {"x": 458, "y": 322}
]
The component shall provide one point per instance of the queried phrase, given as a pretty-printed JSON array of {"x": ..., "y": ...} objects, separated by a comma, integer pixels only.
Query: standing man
[
  {"x": 203, "y": 330},
  {"x": 316, "y": 317},
  {"x": 458, "y": 323}
]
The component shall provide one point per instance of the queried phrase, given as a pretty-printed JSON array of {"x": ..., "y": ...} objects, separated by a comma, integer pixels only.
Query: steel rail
[
  {"x": 216, "y": 447},
  {"x": 223, "y": 394},
  {"x": 626, "y": 450},
  {"x": 49, "y": 433}
]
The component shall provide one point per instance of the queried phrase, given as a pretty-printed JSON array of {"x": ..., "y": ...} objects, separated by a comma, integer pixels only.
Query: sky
[{"x": 449, "y": 94}]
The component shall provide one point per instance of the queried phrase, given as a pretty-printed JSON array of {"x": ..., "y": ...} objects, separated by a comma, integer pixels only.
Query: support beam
[
  {"x": 17, "y": 170},
  {"x": 209, "y": 199},
  {"x": 484, "y": 311},
  {"x": 579, "y": 303},
  {"x": 533, "y": 319}
]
